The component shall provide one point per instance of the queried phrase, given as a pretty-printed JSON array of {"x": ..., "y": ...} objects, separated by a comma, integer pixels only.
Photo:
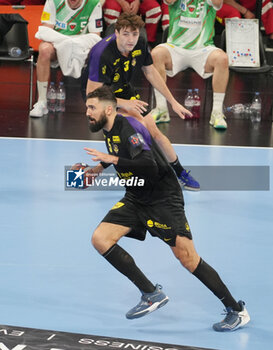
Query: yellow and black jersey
[
  {"x": 140, "y": 158},
  {"x": 108, "y": 66}
]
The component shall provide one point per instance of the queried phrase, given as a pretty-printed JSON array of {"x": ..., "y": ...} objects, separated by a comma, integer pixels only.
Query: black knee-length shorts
[{"x": 164, "y": 219}]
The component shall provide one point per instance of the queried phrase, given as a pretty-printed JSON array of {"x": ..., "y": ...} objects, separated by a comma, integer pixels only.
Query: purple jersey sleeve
[
  {"x": 99, "y": 68},
  {"x": 140, "y": 140}
]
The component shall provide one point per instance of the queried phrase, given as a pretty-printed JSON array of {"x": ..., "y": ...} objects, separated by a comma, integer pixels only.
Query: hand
[
  {"x": 134, "y": 7},
  {"x": 249, "y": 15},
  {"x": 125, "y": 6},
  {"x": 101, "y": 157},
  {"x": 180, "y": 110},
  {"x": 96, "y": 170},
  {"x": 133, "y": 106}
]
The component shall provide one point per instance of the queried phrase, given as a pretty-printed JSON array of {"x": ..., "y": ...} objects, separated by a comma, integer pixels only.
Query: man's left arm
[{"x": 158, "y": 83}]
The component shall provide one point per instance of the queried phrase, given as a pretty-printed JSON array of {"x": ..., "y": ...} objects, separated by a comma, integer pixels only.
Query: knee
[
  {"x": 98, "y": 241},
  {"x": 158, "y": 56},
  {"x": 46, "y": 51},
  {"x": 222, "y": 60},
  {"x": 188, "y": 259}
]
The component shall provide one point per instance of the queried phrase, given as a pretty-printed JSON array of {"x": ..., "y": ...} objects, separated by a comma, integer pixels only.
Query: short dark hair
[
  {"x": 103, "y": 93},
  {"x": 127, "y": 20}
]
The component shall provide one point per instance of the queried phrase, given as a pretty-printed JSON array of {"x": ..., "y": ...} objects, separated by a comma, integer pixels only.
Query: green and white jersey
[
  {"x": 85, "y": 19},
  {"x": 191, "y": 23}
]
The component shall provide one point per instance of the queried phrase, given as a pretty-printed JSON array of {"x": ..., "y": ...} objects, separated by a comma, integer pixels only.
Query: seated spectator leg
[
  {"x": 46, "y": 55},
  {"x": 111, "y": 11},
  {"x": 152, "y": 12}
]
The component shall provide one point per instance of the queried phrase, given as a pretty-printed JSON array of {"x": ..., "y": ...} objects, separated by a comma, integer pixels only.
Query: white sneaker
[
  {"x": 161, "y": 115},
  {"x": 217, "y": 120},
  {"x": 39, "y": 109}
]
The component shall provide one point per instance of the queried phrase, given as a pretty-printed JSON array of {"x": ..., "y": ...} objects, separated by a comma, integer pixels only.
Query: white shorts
[{"x": 183, "y": 59}]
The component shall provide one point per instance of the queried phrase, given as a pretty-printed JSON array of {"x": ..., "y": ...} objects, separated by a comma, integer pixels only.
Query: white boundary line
[{"x": 101, "y": 141}]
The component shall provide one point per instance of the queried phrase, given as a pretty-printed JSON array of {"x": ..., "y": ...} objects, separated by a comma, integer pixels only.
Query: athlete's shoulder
[
  {"x": 138, "y": 129},
  {"x": 105, "y": 47}
]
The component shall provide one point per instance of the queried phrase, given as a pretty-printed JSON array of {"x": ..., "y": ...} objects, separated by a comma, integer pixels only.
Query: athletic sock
[
  {"x": 125, "y": 264},
  {"x": 207, "y": 275},
  {"x": 42, "y": 90},
  {"x": 160, "y": 100},
  {"x": 177, "y": 167},
  {"x": 218, "y": 100}
]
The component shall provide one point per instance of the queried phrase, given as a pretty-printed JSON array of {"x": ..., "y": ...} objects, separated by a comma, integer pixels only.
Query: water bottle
[
  {"x": 61, "y": 95},
  {"x": 196, "y": 104},
  {"x": 15, "y": 51},
  {"x": 256, "y": 108},
  {"x": 189, "y": 103},
  {"x": 237, "y": 111},
  {"x": 51, "y": 97}
]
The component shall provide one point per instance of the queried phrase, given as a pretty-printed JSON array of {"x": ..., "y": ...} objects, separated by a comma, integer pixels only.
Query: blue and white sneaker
[
  {"x": 188, "y": 182},
  {"x": 161, "y": 115},
  {"x": 149, "y": 302},
  {"x": 233, "y": 319}
]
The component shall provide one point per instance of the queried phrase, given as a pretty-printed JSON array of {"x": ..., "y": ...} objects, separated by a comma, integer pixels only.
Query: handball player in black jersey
[
  {"x": 154, "y": 204},
  {"x": 115, "y": 61}
]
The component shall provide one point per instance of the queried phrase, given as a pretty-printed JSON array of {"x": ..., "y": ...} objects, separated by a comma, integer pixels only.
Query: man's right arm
[{"x": 48, "y": 17}]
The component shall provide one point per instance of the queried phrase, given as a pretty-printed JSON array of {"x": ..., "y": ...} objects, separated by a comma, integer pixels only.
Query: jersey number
[{"x": 126, "y": 66}]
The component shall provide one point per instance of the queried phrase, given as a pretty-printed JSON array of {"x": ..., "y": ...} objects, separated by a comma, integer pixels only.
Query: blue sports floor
[{"x": 51, "y": 277}]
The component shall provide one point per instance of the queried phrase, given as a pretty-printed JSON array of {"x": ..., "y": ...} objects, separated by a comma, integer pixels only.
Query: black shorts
[{"x": 164, "y": 219}]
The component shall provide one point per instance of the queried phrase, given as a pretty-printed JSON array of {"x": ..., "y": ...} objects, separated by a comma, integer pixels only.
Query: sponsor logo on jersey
[
  {"x": 72, "y": 25},
  {"x": 99, "y": 23},
  {"x": 60, "y": 25},
  {"x": 136, "y": 140},
  {"x": 183, "y": 5},
  {"x": 151, "y": 223},
  {"x": 116, "y": 61},
  {"x": 118, "y": 90},
  {"x": 118, "y": 205},
  {"x": 115, "y": 148},
  {"x": 136, "y": 53},
  {"x": 116, "y": 139},
  {"x": 133, "y": 62},
  {"x": 125, "y": 175},
  {"x": 45, "y": 16},
  {"x": 116, "y": 77},
  {"x": 191, "y": 8}
]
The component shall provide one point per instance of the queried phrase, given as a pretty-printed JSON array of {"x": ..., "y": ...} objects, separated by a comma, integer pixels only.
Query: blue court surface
[{"x": 53, "y": 279}]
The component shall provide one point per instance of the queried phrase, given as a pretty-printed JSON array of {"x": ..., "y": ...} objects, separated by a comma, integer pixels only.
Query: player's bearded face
[{"x": 96, "y": 125}]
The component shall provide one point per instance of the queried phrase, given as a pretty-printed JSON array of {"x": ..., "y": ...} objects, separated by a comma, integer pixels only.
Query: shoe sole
[
  {"x": 152, "y": 308},
  {"x": 242, "y": 324},
  {"x": 222, "y": 127},
  {"x": 191, "y": 188},
  {"x": 162, "y": 121},
  {"x": 38, "y": 116}
]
